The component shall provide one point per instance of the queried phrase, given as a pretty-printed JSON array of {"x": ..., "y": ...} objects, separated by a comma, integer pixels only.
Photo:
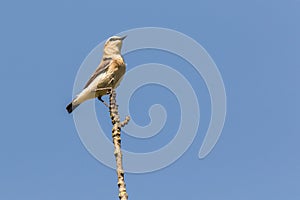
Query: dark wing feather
[{"x": 101, "y": 68}]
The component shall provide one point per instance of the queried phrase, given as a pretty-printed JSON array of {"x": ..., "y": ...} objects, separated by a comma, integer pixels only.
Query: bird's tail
[{"x": 71, "y": 107}]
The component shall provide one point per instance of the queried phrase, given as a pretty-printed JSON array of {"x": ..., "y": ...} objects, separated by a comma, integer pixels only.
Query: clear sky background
[{"x": 256, "y": 47}]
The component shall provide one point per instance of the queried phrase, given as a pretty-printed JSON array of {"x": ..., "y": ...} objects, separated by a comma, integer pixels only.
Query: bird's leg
[
  {"x": 100, "y": 99},
  {"x": 108, "y": 89},
  {"x": 111, "y": 80},
  {"x": 101, "y": 89}
]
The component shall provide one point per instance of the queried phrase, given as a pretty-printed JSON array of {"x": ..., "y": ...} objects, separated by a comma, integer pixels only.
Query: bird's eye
[{"x": 113, "y": 39}]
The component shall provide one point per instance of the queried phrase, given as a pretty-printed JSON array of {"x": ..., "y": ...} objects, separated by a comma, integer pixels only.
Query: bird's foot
[{"x": 108, "y": 90}]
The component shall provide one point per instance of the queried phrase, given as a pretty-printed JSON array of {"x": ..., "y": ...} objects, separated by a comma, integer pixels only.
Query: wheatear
[{"x": 107, "y": 76}]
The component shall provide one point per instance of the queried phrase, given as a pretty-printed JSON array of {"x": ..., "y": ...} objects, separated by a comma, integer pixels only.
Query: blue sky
[{"x": 255, "y": 45}]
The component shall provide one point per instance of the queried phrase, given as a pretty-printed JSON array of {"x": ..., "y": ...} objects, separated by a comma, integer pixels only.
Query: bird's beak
[{"x": 122, "y": 38}]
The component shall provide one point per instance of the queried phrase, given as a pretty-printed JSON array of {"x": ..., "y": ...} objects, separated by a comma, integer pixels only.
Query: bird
[{"x": 107, "y": 76}]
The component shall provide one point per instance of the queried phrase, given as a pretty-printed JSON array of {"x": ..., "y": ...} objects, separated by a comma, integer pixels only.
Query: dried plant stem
[{"x": 116, "y": 135}]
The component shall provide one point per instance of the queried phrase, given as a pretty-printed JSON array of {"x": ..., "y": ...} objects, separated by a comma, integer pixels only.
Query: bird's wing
[{"x": 104, "y": 64}]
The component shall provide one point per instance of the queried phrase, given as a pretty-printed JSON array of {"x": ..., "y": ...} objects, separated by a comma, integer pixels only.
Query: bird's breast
[
  {"x": 119, "y": 73},
  {"x": 113, "y": 75}
]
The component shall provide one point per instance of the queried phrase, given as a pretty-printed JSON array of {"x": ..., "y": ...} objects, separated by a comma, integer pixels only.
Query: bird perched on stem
[{"x": 107, "y": 76}]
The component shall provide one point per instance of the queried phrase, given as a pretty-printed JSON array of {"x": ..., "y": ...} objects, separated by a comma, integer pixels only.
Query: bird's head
[{"x": 113, "y": 45}]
